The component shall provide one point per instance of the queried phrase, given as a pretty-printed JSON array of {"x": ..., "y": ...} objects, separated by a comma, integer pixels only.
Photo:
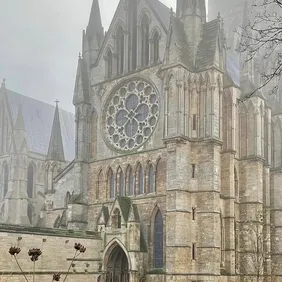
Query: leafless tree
[
  {"x": 256, "y": 256},
  {"x": 261, "y": 40}
]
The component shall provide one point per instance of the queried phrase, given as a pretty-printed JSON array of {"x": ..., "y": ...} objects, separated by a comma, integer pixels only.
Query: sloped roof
[
  {"x": 233, "y": 66},
  {"x": 81, "y": 91},
  {"x": 38, "y": 119},
  {"x": 185, "y": 56},
  {"x": 161, "y": 10},
  {"x": 207, "y": 46},
  {"x": 125, "y": 204}
]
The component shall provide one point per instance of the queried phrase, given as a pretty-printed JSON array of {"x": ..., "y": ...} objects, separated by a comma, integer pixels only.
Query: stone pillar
[{"x": 178, "y": 209}]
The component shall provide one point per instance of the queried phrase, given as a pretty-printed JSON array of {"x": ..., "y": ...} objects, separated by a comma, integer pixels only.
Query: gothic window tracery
[
  {"x": 30, "y": 181},
  {"x": 145, "y": 41},
  {"x": 131, "y": 114},
  {"x": 158, "y": 240},
  {"x": 120, "y": 49}
]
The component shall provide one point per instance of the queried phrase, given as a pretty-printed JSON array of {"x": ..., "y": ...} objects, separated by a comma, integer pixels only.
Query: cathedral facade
[
  {"x": 175, "y": 169},
  {"x": 175, "y": 172},
  {"x": 37, "y": 141}
]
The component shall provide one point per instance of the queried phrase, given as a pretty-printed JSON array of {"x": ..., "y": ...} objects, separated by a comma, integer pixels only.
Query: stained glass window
[
  {"x": 158, "y": 241},
  {"x": 140, "y": 181},
  {"x": 151, "y": 179},
  {"x": 30, "y": 181}
]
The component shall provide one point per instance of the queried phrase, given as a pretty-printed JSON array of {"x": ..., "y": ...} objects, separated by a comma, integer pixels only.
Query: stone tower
[{"x": 55, "y": 158}]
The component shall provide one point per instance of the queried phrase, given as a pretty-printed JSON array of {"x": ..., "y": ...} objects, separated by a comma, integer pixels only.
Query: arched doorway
[{"x": 117, "y": 267}]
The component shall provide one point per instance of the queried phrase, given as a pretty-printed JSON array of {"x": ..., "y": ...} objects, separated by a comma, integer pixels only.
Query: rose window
[{"x": 131, "y": 114}]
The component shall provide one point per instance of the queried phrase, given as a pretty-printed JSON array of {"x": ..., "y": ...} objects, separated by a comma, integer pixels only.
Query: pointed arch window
[
  {"x": 30, "y": 181},
  {"x": 140, "y": 180},
  {"x": 158, "y": 240},
  {"x": 156, "y": 47},
  {"x": 120, "y": 50},
  {"x": 109, "y": 64},
  {"x": 130, "y": 180},
  {"x": 121, "y": 183},
  {"x": 5, "y": 179},
  {"x": 151, "y": 179},
  {"x": 67, "y": 200},
  {"x": 111, "y": 184},
  {"x": 145, "y": 41},
  {"x": 99, "y": 185},
  {"x": 93, "y": 135},
  {"x": 116, "y": 219}
]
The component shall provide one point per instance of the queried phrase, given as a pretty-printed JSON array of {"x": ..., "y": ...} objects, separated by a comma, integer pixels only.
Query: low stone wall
[{"x": 57, "y": 248}]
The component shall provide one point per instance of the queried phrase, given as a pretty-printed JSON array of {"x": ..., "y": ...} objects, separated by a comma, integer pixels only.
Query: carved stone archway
[{"x": 117, "y": 266}]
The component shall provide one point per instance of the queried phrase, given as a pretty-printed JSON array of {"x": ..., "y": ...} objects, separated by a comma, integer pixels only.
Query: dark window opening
[
  {"x": 121, "y": 183},
  {"x": 193, "y": 170},
  {"x": 145, "y": 41},
  {"x": 194, "y": 122},
  {"x": 158, "y": 241},
  {"x": 30, "y": 181},
  {"x": 111, "y": 183},
  {"x": 110, "y": 63},
  {"x": 193, "y": 251},
  {"x": 193, "y": 213},
  {"x": 156, "y": 47},
  {"x": 140, "y": 181},
  {"x": 130, "y": 182},
  {"x": 120, "y": 50},
  {"x": 6, "y": 180},
  {"x": 116, "y": 219},
  {"x": 151, "y": 179}
]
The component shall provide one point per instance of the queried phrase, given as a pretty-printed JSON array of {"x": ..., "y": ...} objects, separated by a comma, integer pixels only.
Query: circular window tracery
[{"x": 131, "y": 114}]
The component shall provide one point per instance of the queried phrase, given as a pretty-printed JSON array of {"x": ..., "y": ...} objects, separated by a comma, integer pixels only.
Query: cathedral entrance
[{"x": 117, "y": 268}]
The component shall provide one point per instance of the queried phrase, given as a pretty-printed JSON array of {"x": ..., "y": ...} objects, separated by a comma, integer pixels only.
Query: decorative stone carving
[{"x": 131, "y": 114}]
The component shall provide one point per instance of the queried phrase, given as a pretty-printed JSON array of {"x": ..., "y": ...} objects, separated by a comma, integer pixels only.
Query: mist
[{"x": 40, "y": 42}]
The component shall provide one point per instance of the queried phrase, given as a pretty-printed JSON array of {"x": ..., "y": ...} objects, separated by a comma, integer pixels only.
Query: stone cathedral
[{"x": 176, "y": 175}]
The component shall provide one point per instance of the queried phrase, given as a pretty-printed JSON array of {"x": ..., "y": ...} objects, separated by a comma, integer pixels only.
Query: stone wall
[{"x": 57, "y": 248}]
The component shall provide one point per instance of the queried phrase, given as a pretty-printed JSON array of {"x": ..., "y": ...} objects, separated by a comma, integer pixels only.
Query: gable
[
  {"x": 159, "y": 16},
  {"x": 38, "y": 119}
]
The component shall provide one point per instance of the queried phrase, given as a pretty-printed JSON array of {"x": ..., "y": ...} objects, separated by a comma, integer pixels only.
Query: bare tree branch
[{"x": 261, "y": 40}]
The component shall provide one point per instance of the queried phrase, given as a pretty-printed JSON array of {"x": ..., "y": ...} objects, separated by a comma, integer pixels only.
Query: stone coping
[{"x": 29, "y": 230}]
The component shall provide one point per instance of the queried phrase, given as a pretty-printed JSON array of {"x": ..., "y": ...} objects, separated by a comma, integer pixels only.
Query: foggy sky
[{"x": 39, "y": 45}]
